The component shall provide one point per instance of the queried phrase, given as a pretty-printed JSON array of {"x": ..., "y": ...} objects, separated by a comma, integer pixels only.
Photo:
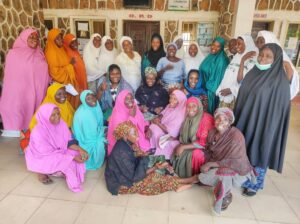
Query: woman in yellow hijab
[
  {"x": 60, "y": 66},
  {"x": 56, "y": 94}
]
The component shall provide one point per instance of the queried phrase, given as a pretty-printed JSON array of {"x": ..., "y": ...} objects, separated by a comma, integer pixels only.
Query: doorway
[{"x": 141, "y": 33}]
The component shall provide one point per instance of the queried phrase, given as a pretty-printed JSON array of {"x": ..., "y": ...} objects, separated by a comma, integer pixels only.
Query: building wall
[{"x": 15, "y": 15}]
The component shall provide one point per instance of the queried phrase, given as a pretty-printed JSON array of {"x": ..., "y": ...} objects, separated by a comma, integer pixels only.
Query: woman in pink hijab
[
  {"x": 126, "y": 110},
  {"x": 166, "y": 127},
  {"x": 26, "y": 79},
  {"x": 52, "y": 150}
]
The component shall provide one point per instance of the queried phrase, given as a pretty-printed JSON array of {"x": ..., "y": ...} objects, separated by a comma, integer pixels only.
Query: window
[
  {"x": 292, "y": 43},
  {"x": 137, "y": 3},
  {"x": 49, "y": 24},
  {"x": 258, "y": 26},
  {"x": 202, "y": 33}
]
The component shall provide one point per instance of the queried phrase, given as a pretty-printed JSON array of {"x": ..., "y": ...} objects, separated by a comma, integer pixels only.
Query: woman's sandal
[
  {"x": 46, "y": 181},
  {"x": 226, "y": 201},
  {"x": 248, "y": 192}
]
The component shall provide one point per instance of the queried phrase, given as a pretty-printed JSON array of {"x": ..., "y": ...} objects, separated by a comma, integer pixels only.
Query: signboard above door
[{"x": 179, "y": 5}]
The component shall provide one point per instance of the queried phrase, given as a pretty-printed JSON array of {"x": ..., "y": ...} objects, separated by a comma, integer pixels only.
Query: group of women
[{"x": 162, "y": 122}]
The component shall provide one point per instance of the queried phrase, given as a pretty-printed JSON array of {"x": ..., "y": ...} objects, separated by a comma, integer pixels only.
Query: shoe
[
  {"x": 248, "y": 192},
  {"x": 226, "y": 201}
]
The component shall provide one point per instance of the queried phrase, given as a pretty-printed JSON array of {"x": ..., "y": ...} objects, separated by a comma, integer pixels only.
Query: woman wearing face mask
[
  {"x": 193, "y": 86},
  {"x": 151, "y": 96},
  {"x": 25, "y": 83},
  {"x": 263, "y": 117},
  {"x": 91, "y": 55},
  {"x": 240, "y": 65},
  {"x": 188, "y": 155},
  {"x": 126, "y": 110},
  {"x": 156, "y": 52},
  {"x": 52, "y": 150},
  {"x": 193, "y": 58},
  {"x": 60, "y": 66},
  {"x": 265, "y": 37},
  {"x": 130, "y": 63},
  {"x": 130, "y": 171},
  {"x": 88, "y": 129},
  {"x": 227, "y": 165},
  {"x": 212, "y": 69},
  {"x": 109, "y": 88},
  {"x": 167, "y": 125},
  {"x": 71, "y": 47}
]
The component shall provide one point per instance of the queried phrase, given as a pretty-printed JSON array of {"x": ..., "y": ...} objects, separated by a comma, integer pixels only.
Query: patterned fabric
[
  {"x": 153, "y": 184},
  {"x": 260, "y": 179},
  {"x": 204, "y": 101},
  {"x": 229, "y": 105},
  {"x": 225, "y": 111}
]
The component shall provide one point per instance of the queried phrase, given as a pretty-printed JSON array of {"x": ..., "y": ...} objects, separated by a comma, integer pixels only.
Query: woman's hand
[
  {"x": 161, "y": 165},
  {"x": 103, "y": 86},
  {"x": 72, "y": 61},
  {"x": 248, "y": 55},
  {"x": 148, "y": 133},
  {"x": 225, "y": 92},
  {"x": 179, "y": 150},
  {"x": 207, "y": 166},
  {"x": 84, "y": 155},
  {"x": 156, "y": 120},
  {"x": 144, "y": 109},
  {"x": 168, "y": 67},
  {"x": 132, "y": 111},
  {"x": 158, "y": 110}
]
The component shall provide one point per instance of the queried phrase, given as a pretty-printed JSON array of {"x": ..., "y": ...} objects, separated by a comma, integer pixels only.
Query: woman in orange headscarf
[
  {"x": 60, "y": 66},
  {"x": 71, "y": 47}
]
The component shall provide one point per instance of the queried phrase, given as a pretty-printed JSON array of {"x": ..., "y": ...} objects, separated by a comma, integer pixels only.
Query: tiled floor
[{"x": 24, "y": 200}]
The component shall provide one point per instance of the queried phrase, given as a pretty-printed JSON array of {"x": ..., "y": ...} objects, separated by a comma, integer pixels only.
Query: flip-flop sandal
[
  {"x": 248, "y": 192},
  {"x": 46, "y": 181},
  {"x": 226, "y": 201}
]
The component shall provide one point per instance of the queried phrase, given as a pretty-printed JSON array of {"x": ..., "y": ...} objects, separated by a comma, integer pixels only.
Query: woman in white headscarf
[
  {"x": 130, "y": 63},
  {"x": 193, "y": 58},
  {"x": 91, "y": 54},
  {"x": 266, "y": 37},
  {"x": 178, "y": 40},
  {"x": 240, "y": 65},
  {"x": 108, "y": 54}
]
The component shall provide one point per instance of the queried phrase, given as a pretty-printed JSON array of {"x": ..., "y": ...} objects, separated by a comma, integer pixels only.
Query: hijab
[
  {"x": 124, "y": 38},
  {"x": 198, "y": 90},
  {"x": 66, "y": 109},
  {"x": 153, "y": 55},
  {"x": 180, "y": 52},
  {"x": 191, "y": 124},
  {"x": 91, "y": 56},
  {"x": 193, "y": 62},
  {"x": 271, "y": 38},
  {"x": 79, "y": 65},
  {"x": 106, "y": 57}
]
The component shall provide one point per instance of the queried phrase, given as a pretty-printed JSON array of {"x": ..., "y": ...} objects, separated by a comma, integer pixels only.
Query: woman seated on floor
[
  {"x": 188, "y": 155},
  {"x": 127, "y": 110},
  {"x": 193, "y": 86},
  {"x": 129, "y": 170},
  {"x": 151, "y": 96},
  {"x": 227, "y": 165},
  {"x": 52, "y": 150},
  {"x": 109, "y": 87},
  {"x": 88, "y": 129},
  {"x": 165, "y": 128}
]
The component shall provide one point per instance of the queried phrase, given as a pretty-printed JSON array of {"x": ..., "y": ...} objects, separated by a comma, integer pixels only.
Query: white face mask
[{"x": 263, "y": 67}]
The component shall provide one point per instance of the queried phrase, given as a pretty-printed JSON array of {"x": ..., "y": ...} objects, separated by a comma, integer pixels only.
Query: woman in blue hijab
[{"x": 89, "y": 130}]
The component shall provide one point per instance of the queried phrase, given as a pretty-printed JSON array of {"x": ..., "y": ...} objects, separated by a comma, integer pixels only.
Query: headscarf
[
  {"x": 66, "y": 109},
  {"x": 91, "y": 56},
  {"x": 60, "y": 68},
  {"x": 153, "y": 55},
  {"x": 79, "y": 65},
  {"x": 88, "y": 129},
  {"x": 198, "y": 90},
  {"x": 124, "y": 38},
  {"x": 172, "y": 44},
  {"x": 175, "y": 114},
  {"x": 120, "y": 114},
  {"x": 25, "y": 82},
  {"x": 180, "y": 52},
  {"x": 106, "y": 57},
  {"x": 190, "y": 125},
  {"x": 150, "y": 71},
  {"x": 271, "y": 38},
  {"x": 193, "y": 62},
  {"x": 212, "y": 70},
  {"x": 262, "y": 112},
  {"x": 231, "y": 73},
  {"x": 226, "y": 112}
]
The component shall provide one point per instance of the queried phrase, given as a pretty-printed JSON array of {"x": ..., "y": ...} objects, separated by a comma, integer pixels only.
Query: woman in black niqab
[{"x": 262, "y": 114}]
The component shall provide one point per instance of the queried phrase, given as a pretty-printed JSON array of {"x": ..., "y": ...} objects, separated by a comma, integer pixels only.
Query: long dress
[
  {"x": 88, "y": 130},
  {"x": 262, "y": 113},
  {"x": 120, "y": 114},
  {"x": 231, "y": 73},
  {"x": 229, "y": 152},
  {"x": 26, "y": 79},
  {"x": 212, "y": 69},
  {"x": 125, "y": 173},
  {"x": 172, "y": 118},
  {"x": 271, "y": 38},
  {"x": 79, "y": 65},
  {"x": 48, "y": 151}
]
